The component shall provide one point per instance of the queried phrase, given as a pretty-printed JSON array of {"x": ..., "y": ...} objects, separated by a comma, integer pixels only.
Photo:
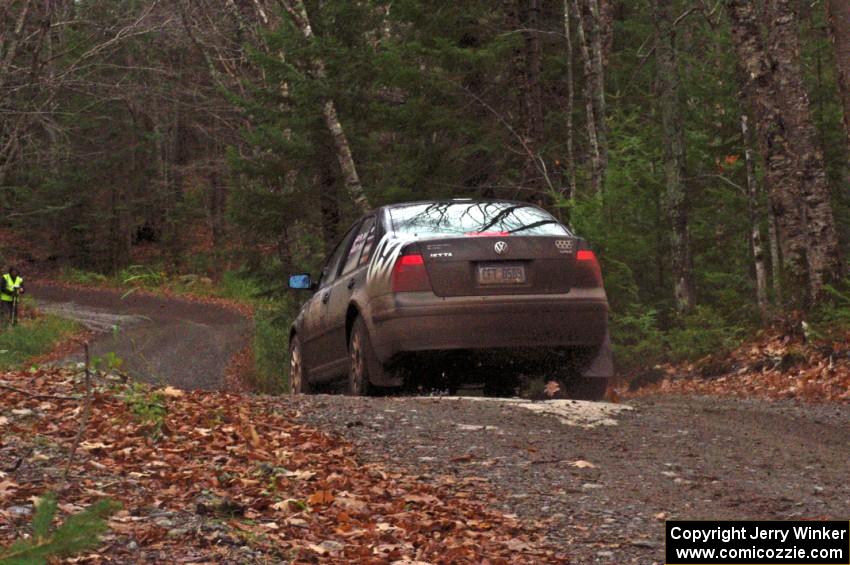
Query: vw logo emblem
[{"x": 501, "y": 248}]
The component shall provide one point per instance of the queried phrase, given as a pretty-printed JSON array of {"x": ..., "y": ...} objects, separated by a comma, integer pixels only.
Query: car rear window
[{"x": 473, "y": 219}]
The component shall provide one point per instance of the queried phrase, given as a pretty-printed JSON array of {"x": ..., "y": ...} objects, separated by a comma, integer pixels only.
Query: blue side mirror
[{"x": 300, "y": 282}]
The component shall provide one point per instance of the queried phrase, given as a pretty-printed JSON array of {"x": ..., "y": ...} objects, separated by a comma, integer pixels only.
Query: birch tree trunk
[
  {"x": 587, "y": 27},
  {"x": 674, "y": 155},
  {"x": 598, "y": 87},
  {"x": 346, "y": 161},
  {"x": 351, "y": 178},
  {"x": 753, "y": 209}
]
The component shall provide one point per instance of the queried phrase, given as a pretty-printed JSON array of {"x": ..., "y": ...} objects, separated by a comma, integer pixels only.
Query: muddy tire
[
  {"x": 586, "y": 388},
  {"x": 298, "y": 382},
  {"x": 362, "y": 360}
]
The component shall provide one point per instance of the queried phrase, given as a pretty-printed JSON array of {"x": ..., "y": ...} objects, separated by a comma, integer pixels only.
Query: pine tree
[{"x": 78, "y": 533}]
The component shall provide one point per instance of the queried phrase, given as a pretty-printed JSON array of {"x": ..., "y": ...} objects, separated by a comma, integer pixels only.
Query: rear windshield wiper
[{"x": 534, "y": 225}]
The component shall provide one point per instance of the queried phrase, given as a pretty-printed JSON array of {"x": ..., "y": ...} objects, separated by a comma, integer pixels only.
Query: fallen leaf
[
  {"x": 93, "y": 445},
  {"x": 350, "y": 503},
  {"x": 172, "y": 392},
  {"x": 301, "y": 475},
  {"x": 297, "y": 522},
  {"x": 552, "y": 388},
  {"x": 6, "y": 487},
  {"x": 317, "y": 549},
  {"x": 321, "y": 497},
  {"x": 254, "y": 436},
  {"x": 517, "y": 545},
  {"x": 426, "y": 499},
  {"x": 582, "y": 464}
]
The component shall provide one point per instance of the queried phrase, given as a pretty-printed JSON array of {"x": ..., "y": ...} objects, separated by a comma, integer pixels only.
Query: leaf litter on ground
[
  {"x": 232, "y": 478},
  {"x": 777, "y": 364}
]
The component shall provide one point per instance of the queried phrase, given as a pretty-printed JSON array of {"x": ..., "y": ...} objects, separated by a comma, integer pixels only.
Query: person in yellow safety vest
[{"x": 11, "y": 286}]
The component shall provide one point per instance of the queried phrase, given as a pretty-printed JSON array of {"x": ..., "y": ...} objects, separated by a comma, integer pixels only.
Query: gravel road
[
  {"x": 161, "y": 340},
  {"x": 599, "y": 478},
  {"x": 603, "y": 478}
]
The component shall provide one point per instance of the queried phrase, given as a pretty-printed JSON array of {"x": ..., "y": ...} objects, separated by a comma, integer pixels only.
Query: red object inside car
[{"x": 486, "y": 234}]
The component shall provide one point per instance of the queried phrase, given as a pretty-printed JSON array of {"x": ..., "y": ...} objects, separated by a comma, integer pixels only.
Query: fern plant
[{"x": 79, "y": 532}]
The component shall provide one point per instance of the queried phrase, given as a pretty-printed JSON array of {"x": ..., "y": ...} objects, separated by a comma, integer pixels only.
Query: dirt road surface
[
  {"x": 160, "y": 340},
  {"x": 600, "y": 478}
]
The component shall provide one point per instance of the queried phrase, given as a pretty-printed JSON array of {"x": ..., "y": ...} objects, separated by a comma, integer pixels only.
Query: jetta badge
[{"x": 501, "y": 248}]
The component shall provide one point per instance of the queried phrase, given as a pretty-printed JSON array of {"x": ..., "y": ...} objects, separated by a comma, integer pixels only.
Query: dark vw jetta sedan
[{"x": 460, "y": 283}]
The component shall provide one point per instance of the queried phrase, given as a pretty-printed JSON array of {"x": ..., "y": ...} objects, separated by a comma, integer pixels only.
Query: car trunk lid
[{"x": 497, "y": 264}]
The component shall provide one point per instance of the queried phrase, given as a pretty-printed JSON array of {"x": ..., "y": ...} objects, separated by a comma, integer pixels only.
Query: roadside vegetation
[
  {"x": 31, "y": 338},
  {"x": 78, "y": 533}
]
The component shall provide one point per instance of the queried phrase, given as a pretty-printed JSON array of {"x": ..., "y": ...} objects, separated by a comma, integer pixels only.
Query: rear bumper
[{"x": 410, "y": 322}]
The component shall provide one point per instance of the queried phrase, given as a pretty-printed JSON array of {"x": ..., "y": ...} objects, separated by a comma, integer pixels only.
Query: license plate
[{"x": 501, "y": 274}]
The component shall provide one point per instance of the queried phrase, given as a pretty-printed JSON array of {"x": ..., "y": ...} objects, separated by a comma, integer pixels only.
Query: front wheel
[
  {"x": 586, "y": 388},
  {"x": 362, "y": 360},
  {"x": 298, "y": 383}
]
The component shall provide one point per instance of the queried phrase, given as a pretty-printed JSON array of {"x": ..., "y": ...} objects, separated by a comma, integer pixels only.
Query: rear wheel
[
  {"x": 362, "y": 359},
  {"x": 298, "y": 383},
  {"x": 586, "y": 388}
]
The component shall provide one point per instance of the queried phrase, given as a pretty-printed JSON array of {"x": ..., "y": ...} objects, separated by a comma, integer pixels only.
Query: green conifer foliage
[{"x": 78, "y": 533}]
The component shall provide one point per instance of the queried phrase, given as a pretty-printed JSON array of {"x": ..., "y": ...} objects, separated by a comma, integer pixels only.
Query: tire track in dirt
[
  {"x": 160, "y": 339},
  {"x": 601, "y": 479}
]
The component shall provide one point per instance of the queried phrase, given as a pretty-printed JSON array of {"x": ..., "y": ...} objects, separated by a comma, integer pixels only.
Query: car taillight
[
  {"x": 588, "y": 274},
  {"x": 409, "y": 274}
]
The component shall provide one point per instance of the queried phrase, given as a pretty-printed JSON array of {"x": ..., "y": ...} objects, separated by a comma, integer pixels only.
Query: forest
[{"x": 700, "y": 145}]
